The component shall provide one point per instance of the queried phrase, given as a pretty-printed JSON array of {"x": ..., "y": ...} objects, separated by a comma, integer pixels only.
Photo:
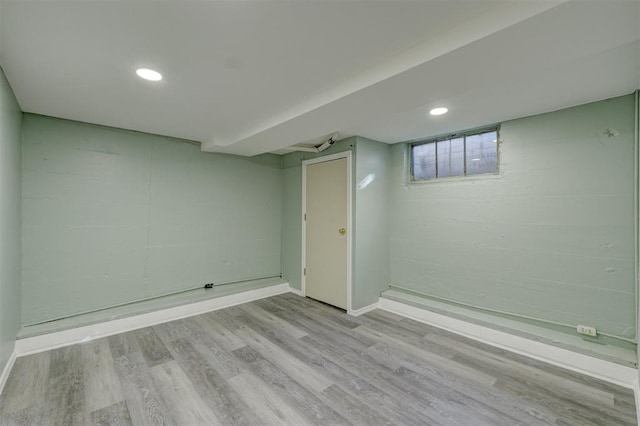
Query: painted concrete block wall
[
  {"x": 112, "y": 216},
  {"x": 552, "y": 238},
  {"x": 371, "y": 190},
  {"x": 10, "y": 220},
  {"x": 292, "y": 226}
]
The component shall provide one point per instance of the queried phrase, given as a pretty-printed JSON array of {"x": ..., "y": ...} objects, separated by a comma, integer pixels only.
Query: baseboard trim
[
  {"x": 296, "y": 291},
  {"x": 594, "y": 367},
  {"x": 45, "y": 342},
  {"x": 7, "y": 370},
  {"x": 636, "y": 394},
  {"x": 362, "y": 311}
]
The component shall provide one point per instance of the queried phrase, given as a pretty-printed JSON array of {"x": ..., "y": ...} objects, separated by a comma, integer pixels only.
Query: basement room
[{"x": 310, "y": 212}]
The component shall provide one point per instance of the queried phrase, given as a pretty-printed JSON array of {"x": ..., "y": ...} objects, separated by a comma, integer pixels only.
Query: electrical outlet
[{"x": 586, "y": 330}]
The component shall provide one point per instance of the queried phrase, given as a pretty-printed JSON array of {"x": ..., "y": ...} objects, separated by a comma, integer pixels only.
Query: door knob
[{"x": 342, "y": 231}]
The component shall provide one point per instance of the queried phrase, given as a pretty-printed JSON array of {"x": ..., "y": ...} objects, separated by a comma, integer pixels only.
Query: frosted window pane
[
  {"x": 424, "y": 161},
  {"x": 451, "y": 157},
  {"x": 482, "y": 153}
]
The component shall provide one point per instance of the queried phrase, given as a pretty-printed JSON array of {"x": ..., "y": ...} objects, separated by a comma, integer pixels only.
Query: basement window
[{"x": 463, "y": 154}]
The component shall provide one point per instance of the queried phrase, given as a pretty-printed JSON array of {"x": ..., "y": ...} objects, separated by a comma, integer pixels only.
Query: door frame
[{"x": 305, "y": 163}]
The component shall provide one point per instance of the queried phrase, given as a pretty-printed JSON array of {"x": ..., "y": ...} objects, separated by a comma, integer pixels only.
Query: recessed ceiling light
[
  {"x": 439, "y": 111},
  {"x": 148, "y": 74}
]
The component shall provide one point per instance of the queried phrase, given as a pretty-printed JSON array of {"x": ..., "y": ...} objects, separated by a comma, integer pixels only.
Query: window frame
[{"x": 450, "y": 136}]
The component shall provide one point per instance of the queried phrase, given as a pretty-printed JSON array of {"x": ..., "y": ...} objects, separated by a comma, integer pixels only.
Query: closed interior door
[{"x": 326, "y": 232}]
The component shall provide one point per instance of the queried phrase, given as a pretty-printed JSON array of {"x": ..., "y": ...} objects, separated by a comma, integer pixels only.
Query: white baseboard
[
  {"x": 87, "y": 333},
  {"x": 636, "y": 393},
  {"x": 296, "y": 291},
  {"x": 361, "y": 311},
  {"x": 7, "y": 370},
  {"x": 594, "y": 367}
]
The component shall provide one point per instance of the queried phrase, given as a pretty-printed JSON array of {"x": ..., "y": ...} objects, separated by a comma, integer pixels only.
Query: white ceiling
[{"x": 249, "y": 77}]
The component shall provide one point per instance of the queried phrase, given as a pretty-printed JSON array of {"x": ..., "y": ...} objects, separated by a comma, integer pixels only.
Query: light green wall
[
  {"x": 637, "y": 203},
  {"x": 10, "y": 207},
  {"x": 292, "y": 226},
  {"x": 371, "y": 189},
  {"x": 112, "y": 216},
  {"x": 551, "y": 238},
  {"x": 370, "y": 218}
]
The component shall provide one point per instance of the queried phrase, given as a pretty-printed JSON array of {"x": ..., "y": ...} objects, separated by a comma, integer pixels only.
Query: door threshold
[{"x": 328, "y": 304}]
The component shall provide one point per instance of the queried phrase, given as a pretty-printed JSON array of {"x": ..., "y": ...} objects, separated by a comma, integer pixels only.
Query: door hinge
[
  {"x": 305, "y": 216},
  {"x": 305, "y": 272}
]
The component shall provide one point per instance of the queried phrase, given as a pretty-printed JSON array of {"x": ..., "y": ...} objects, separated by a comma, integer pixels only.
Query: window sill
[{"x": 456, "y": 179}]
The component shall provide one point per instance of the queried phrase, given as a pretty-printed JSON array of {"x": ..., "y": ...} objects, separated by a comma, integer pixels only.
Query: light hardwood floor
[{"x": 290, "y": 360}]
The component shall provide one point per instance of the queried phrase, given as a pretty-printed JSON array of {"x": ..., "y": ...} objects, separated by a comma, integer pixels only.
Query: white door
[{"x": 326, "y": 231}]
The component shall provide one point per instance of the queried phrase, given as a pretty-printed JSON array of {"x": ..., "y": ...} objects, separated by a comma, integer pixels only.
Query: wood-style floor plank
[
  {"x": 352, "y": 408},
  {"x": 287, "y": 360},
  {"x": 101, "y": 384},
  {"x": 219, "y": 333},
  {"x": 152, "y": 348},
  {"x": 113, "y": 415},
  {"x": 227, "y": 405},
  {"x": 65, "y": 391},
  {"x": 146, "y": 405},
  {"x": 31, "y": 372},
  {"x": 183, "y": 399},
  {"x": 262, "y": 399},
  {"x": 311, "y": 406},
  {"x": 123, "y": 344}
]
